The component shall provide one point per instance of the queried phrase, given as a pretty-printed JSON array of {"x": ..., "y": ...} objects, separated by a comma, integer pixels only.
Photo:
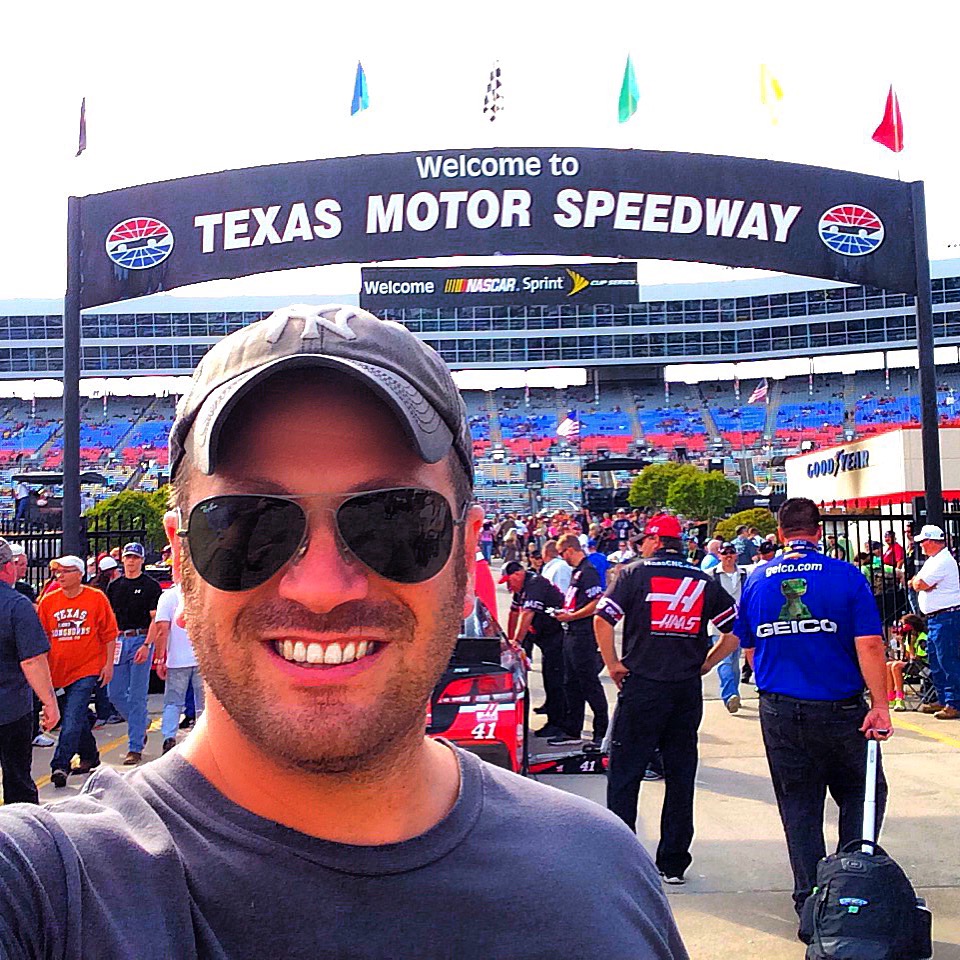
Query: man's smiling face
[{"x": 329, "y": 437}]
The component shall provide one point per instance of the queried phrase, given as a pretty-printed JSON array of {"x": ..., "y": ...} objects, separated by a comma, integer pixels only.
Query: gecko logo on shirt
[{"x": 676, "y": 606}]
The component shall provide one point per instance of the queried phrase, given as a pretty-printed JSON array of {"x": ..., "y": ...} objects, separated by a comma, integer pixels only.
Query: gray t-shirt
[{"x": 159, "y": 864}]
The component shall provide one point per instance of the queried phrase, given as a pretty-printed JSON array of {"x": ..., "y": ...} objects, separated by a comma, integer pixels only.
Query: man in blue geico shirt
[{"x": 811, "y": 629}]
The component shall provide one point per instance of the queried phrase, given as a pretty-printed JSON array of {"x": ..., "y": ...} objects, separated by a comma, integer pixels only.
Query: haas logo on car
[{"x": 676, "y": 606}]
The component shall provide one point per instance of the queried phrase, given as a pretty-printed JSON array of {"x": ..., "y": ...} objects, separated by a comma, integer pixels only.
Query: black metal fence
[
  {"x": 41, "y": 544},
  {"x": 878, "y": 539}
]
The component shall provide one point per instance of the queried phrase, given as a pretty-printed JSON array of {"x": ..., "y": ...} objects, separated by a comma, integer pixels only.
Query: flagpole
[
  {"x": 929, "y": 421},
  {"x": 72, "y": 539}
]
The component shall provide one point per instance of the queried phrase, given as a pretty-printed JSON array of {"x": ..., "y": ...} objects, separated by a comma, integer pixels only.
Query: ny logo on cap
[{"x": 313, "y": 319}]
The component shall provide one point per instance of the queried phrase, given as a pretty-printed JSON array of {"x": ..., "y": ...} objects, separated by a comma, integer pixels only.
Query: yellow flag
[{"x": 771, "y": 93}]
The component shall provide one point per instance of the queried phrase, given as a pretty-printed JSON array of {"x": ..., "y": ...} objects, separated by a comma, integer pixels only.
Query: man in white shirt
[
  {"x": 555, "y": 568},
  {"x": 623, "y": 553},
  {"x": 176, "y": 664},
  {"x": 21, "y": 498},
  {"x": 938, "y": 591},
  {"x": 731, "y": 576}
]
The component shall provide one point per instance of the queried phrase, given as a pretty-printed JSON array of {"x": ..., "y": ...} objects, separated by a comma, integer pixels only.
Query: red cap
[{"x": 664, "y": 525}]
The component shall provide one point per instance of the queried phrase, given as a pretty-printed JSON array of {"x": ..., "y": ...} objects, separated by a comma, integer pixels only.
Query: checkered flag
[{"x": 493, "y": 101}]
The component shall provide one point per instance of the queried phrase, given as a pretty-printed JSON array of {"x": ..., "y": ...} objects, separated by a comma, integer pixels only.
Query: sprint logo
[{"x": 580, "y": 282}]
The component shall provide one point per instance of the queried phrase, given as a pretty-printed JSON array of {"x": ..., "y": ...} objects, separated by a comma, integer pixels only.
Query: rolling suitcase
[{"x": 863, "y": 906}]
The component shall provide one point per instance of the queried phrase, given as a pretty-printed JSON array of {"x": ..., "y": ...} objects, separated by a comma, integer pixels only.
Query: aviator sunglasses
[{"x": 238, "y": 541}]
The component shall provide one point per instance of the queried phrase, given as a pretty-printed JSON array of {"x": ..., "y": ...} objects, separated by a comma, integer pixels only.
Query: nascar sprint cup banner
[
  {"x": 385, "y": 287},
  {"x": 571, "y": 202}
]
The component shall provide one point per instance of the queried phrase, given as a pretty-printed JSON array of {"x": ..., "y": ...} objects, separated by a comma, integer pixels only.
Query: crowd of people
[{"x": 78, "y": 656}]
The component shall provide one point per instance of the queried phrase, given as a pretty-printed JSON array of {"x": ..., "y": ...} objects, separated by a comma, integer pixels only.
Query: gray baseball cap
[
  {"x": 6, "y": 553},
  {"x": 384, "y": 356}
]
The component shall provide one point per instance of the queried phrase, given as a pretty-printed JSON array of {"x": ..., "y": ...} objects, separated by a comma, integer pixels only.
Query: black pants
[
  {"x": 16, "y": 758},
  {"x": 814, "y": 746},
  {"x": 582, "y": 664},
  {"x": 652, "y": 713},
  {"x": 551, "y": 649}
]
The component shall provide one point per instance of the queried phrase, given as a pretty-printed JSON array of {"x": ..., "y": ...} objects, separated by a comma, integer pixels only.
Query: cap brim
[{"x": 429, "y": 435}]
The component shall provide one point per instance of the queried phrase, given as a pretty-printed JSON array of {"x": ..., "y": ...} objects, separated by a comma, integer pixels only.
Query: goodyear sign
[
  {"x": 498, "y": 286},
  {"x": 564, "y": 202}
]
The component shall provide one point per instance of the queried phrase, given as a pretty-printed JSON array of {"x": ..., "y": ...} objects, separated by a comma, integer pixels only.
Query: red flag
[{"x": 890, "y": 132}]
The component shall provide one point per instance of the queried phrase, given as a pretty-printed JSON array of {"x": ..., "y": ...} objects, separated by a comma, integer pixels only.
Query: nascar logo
[
  {"x": 139, "y": 243},
  {"x": 851, "y": 230}
]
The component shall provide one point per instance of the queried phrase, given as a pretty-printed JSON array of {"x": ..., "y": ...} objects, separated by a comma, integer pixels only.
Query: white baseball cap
[
  {"x": 69, "y": 562},
  {"x": 107, "y": 563},
  {"x": 930, "y": 532}
]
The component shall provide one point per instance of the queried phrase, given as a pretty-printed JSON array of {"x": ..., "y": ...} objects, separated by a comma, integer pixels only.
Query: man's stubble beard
[{"x": 297, "y": 741}]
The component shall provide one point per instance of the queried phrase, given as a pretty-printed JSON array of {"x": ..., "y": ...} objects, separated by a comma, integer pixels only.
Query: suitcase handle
[{"x": 872, "y": 845}]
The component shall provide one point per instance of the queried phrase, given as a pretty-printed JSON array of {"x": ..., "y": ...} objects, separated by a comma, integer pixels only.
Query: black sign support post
[
  {"x": 72, "y": 539},
  {"x": 929, "y": 419}
]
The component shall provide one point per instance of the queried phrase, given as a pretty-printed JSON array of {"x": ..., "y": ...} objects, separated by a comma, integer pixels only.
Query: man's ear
[
  {"x": 171, "y": 522},
  {"x": 471, "y": 536}
]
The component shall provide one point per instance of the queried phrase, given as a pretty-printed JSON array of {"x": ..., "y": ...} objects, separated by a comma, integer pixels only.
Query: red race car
[{"x": 481, "y": 701}]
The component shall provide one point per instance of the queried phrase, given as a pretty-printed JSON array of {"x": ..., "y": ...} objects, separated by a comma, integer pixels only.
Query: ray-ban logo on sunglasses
[{"x": 313, "y": 319}]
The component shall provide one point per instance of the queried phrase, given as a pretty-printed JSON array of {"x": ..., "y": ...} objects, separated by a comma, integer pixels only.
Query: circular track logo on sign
[
  {"x": 139, "y": 243},
  {"x": 851, "y": 230}
]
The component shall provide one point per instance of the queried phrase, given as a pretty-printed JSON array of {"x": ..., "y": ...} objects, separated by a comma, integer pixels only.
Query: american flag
[
  {"x": 570, "y": 427},
  {"x": 759, "y": 393},
  {"x": 493, "y": 101}
]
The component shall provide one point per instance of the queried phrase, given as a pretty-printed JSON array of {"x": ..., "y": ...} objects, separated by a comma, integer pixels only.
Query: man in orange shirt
[{"x": 83, "y": 635}]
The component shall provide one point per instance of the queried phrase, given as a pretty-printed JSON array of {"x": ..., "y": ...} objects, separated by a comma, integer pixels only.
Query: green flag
[{"x": 629, "y": 94}]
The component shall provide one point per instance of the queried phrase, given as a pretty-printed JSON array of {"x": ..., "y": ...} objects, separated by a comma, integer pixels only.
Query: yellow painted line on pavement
[
  {"x": 112, "y": 745},
  {"x": 926, "y": 732}
]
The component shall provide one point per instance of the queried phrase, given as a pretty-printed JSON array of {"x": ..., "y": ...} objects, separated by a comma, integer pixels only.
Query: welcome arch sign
[{"x": 628, "y": 204}]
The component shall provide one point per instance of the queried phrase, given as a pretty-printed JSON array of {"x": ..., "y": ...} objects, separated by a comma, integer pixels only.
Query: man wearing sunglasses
[{"x": 323, "y": 476}]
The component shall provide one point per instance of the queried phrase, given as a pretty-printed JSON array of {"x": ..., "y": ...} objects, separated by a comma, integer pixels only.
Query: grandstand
[{"x": 625, "y": 409}]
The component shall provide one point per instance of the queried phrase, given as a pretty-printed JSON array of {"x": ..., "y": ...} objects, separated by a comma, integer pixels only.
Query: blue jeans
[
  {"x": 486, "y": 547},
  {"x": 76, "y": 725},
  {"x": 728, "y": 673},
  {"x": 175, "y": 696},
  {"x": 943, "y": 655},
  {"x": 128, "y": 690}
]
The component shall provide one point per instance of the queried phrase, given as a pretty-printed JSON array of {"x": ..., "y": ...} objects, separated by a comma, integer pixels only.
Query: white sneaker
[
  {"x": 673, "y": 881},
  {"x": 42, "y": 740}
]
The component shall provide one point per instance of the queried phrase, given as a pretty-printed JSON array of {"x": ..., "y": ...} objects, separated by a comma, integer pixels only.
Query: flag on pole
[
  {"x": 771, "y": 93},
  {"x": 629, "y": 94},
  {"x": 890, "y": 132},
  {"x": 361, "y": 96},
  {"x": 570, "y": 427},
  {"x": 493, "y": 100},
  {"x": 82, "y": 142},
  {"x": 759, "y": 393}
]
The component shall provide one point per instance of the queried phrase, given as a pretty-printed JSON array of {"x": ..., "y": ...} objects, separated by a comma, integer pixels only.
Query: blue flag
[{"x": 361, "y": 96}]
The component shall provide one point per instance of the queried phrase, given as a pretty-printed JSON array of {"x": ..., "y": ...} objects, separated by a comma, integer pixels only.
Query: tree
[
  {"x": 759, "y": 517},
  {"x": 651, "y": 486},
  {"x": 703, "y": 496},
  {"x": 134, "y": 507}
]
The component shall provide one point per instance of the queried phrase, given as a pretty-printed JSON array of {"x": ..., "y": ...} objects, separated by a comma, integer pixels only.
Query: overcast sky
[{"x": 184, "y": 88}]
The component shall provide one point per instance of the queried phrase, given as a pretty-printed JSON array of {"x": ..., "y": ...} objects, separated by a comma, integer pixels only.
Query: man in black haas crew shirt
[
  {"x": 581, "y": 660},
  {"x": 665, "y": 604},
  {"x": 533, "y": 597}
]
